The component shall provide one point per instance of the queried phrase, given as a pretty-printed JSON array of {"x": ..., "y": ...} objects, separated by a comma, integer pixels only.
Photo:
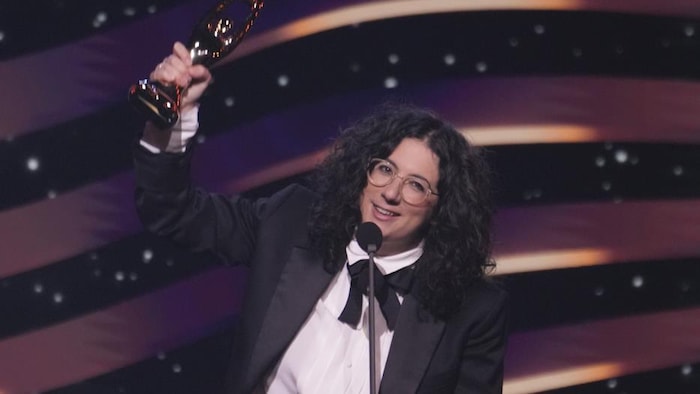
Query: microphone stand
[
  {"x": 371, "y": 249},
  {"x": 369, "y": 237}
]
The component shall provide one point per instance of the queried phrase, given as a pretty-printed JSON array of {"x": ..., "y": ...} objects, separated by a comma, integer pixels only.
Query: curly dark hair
[{"x": 457, "y": 246}]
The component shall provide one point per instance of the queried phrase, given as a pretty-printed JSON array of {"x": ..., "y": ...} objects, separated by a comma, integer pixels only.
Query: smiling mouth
[{"x": 384, "y": 211}]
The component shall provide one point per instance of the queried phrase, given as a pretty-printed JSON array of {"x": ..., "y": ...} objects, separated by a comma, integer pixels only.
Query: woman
[{"x": 303, "y": 321}]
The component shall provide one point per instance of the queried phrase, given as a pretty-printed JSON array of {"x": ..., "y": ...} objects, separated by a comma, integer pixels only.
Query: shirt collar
[{"x": 386, "y": 264}]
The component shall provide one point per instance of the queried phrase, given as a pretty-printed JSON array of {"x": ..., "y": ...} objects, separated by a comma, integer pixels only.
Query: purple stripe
[
  {"x": 620, "y": 346},
  {"x": 100, "y": 213},
  {"x": 121, "y": 335},
  {"x": 82, "y": 77}
]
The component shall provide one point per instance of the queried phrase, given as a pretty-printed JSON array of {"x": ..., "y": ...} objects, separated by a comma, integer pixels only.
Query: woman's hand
[{"x": 177, "y": 70}]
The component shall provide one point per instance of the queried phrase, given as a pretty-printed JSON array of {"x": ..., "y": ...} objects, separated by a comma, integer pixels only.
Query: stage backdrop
[{"x": 589, "y": 111}]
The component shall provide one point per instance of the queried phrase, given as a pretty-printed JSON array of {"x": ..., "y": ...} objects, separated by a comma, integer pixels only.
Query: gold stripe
[
  {"x": 378, "y": 10},
  {"x": 480, "y": 136},
  {"x": 550, "y": 260},
  {"x": 562, "y": 378},
  {"x": 530, "y": 134}
]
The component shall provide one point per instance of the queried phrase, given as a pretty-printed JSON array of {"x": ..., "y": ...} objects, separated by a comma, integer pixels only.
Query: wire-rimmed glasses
[{"x": 414, "y": 190}]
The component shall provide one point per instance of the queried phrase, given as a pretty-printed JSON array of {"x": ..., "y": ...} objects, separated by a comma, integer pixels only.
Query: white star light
[
  {"x": 638, "y": 281},
  {"x": 449, "y": 59},
  {"x": 147, "y": 256},
  {"x": 33, "y": 164},
  {"x": 689, "y": 31},
  {"x": 686, "y": 369},
  {"x": 621, "y": 156},
  {"x": 100, "y": 19}
]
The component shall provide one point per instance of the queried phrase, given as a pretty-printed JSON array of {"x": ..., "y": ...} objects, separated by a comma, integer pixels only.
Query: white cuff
[{"x": 180, "y": 134}]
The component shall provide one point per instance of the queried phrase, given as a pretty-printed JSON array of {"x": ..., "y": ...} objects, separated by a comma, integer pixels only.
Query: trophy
[{"x": 214, "y": 37}]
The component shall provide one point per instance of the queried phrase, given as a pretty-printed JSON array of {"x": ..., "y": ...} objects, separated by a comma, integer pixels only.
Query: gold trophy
[{"x": 214, "y": 37}]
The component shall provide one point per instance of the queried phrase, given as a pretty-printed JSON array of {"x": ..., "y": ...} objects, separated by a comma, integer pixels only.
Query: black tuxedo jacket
[{"x": 427, "y": 355}]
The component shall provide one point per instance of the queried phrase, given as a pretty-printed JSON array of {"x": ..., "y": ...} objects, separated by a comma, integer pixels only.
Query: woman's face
[{"x": 402, "y": 223}]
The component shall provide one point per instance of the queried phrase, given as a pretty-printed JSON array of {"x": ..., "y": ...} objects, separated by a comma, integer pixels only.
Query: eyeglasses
[{"x": 413, "y": 190}]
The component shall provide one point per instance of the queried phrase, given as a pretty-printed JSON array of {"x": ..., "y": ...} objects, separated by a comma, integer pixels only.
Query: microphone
[{"x": 369, "y": 237}]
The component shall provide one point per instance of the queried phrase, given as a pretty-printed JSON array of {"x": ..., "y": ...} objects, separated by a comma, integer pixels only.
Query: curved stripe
[
  {"x": 527, "y": 239},
  {"x": 70, "y": 81},
  {"x": 552, "y": 258},
  {"x": 563, "y": 377},
  {"x": 97, "y": 214},
  {"x": 522, "y": 110},
  {"x": 529, "y": 110},
  {"x": 370, "y": 11},
  {"x": 127, "y": 333},
  {"x": 670, "y": 224},
  {"x": 565, "y": 356},
  {"x": 569, "y": 109},
  {"x": 87, "y": 218},
  {"x": 491, "y": 111},
  {"x": 579, "y": 235},
  {"x": 120, "y": 335},
  {"x": 72, "y": 223}
]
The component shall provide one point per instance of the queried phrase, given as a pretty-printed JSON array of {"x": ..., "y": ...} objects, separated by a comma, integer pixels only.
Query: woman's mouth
[{"x": 384, "y": 212}]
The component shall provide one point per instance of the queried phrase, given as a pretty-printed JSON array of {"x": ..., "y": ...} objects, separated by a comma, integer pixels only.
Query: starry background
[{"x": 589, "y": 112}]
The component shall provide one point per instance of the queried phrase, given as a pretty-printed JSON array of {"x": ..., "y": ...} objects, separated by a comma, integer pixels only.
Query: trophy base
[{"x": 153, "y": 101}]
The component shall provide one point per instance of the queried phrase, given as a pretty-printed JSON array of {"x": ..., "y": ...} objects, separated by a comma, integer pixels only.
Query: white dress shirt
[{"x": 329, "y": 356}]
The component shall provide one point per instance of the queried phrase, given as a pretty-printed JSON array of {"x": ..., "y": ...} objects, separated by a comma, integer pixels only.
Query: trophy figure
[{"x": 214, "y": 37}]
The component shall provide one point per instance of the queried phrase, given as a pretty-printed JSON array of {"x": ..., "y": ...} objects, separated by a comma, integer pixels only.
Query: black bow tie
[{"x": 385, "y": 289}]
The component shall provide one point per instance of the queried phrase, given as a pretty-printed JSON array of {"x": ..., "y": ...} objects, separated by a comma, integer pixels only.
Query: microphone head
[{"x": 369, "y": 236}]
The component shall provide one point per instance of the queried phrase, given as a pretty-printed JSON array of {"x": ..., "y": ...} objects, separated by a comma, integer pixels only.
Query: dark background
[{"x": 589, "y": 112}]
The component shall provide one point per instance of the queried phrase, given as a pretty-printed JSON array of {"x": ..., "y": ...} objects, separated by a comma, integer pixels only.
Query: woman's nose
[{"x": 392, "y": 191}]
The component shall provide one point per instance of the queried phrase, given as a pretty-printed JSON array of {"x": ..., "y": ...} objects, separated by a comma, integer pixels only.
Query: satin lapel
[
  {"x": 302, "y": 282},
  {"x": 417, "y": 334}
]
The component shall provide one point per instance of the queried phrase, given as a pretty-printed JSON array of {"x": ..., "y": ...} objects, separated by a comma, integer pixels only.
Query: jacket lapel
[
  {"x": 301, "y": 283},
  {"x": 417, "y": 334}
]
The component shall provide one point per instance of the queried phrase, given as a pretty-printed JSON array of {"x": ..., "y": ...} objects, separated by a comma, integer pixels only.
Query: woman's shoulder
[
  {"x": 292, "y": 193},
  {"x": 293, "y": 202},
  {"x": 485, "y": 294},
  {"x": 488, "y": 285}
]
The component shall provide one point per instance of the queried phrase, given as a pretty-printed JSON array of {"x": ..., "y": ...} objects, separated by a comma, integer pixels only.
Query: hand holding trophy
[{"x": 214, "y": 37}]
